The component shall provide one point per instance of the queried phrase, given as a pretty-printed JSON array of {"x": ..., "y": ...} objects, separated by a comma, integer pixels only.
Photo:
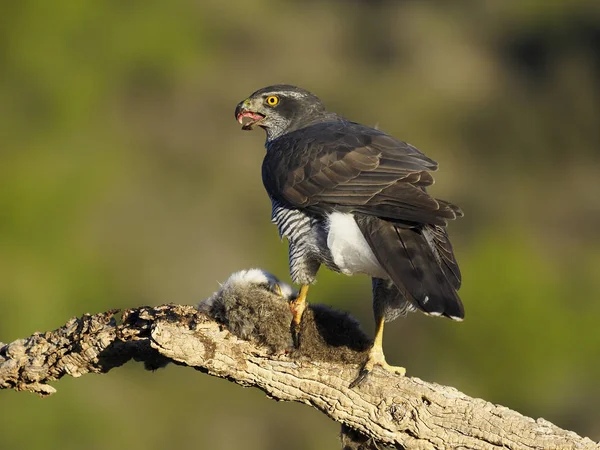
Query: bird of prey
[{"x": 354, "y": 199}]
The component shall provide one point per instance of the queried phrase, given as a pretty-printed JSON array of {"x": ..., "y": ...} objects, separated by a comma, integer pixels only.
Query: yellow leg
[
  {"x": 297, "y": 306},
  {"x": 377, "y": 358},
  {"x": 378, "y": 342}
]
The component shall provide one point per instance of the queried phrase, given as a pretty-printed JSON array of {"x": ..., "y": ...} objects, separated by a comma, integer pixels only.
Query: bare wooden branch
[{"x": 406, "y": 412}]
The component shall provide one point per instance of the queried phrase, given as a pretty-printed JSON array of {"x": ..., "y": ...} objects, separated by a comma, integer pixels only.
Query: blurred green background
[{"x": 125, "y": 180}]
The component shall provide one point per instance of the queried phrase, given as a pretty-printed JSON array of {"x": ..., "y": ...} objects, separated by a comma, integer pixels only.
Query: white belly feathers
[{"x": 349, "y": 249}]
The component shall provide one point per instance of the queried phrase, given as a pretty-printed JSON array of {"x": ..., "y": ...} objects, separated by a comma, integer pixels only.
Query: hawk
[{"x": 354, "y": 199}]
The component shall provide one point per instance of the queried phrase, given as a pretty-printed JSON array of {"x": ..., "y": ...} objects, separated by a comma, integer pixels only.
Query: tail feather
[
  {"x": 438, "y": 239},
  {"x": 414, "y": 263}
]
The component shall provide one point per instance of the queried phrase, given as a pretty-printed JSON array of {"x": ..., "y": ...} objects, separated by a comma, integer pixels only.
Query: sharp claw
[
  {"x": 376, "y": 358},
  {"x": 295, "y": 330},
  {"x": 362, "y": 376}
]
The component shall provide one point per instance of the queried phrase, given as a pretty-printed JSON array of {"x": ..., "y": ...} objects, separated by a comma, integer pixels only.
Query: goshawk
[{"x": 354, "y": 198}]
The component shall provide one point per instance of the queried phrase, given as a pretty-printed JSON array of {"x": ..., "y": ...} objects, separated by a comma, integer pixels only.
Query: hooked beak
[{"x": 246, "y": 117}]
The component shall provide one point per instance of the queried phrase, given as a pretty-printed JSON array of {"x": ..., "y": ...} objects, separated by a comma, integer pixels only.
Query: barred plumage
[
  {"x": 307, "y": 238},
  {"x": 292, "y": 224}
]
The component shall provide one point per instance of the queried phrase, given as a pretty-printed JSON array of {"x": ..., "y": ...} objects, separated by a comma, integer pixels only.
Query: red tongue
[{"x": 251, "y": 116}]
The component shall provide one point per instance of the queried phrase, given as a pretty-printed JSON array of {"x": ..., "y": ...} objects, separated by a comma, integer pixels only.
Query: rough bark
[{"x": 402, "y": 411}]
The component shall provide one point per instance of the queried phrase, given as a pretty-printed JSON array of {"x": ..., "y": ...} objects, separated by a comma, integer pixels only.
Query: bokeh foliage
[{"x": 125, "y": 180}]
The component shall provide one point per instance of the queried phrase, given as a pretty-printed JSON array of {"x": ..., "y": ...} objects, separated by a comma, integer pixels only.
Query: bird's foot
[
  {"x": 297, "y": 308},
  {"x": 376, "y": 358}
]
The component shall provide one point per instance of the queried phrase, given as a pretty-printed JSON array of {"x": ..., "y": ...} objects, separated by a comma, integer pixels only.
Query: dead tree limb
[{"x": 406, "y": 412}]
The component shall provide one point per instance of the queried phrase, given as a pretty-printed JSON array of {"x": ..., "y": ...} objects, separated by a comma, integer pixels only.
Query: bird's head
[{"x": 278, "y": 109}]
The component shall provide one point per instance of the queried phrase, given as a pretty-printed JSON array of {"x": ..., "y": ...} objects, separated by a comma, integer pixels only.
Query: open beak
[{"x": 246, "y": 117}]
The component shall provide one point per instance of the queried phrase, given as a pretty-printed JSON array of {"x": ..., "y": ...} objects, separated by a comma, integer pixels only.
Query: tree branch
[{"x": 402, "y": 411}]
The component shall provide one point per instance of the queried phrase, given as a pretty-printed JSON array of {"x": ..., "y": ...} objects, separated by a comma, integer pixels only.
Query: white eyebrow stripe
[{"x": 287, "y": 94}]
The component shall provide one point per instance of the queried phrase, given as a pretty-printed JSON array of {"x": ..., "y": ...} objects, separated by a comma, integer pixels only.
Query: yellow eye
[{"x": 272, "y": 100}]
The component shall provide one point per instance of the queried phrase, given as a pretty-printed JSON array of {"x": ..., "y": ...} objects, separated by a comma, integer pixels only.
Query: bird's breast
[
  {"x": 349, "y": 249},
  {"x": 292, "y": 224}
]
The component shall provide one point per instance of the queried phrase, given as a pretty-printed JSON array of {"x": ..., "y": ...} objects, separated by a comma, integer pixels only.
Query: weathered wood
[{"x": 401, "y": 411}]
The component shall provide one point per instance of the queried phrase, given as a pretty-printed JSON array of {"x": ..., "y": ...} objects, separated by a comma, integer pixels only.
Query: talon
[
  {"x": 297, "y": 307},
  {"x": 295, "y": 330},
  {"x": 376, "y": 358},
  {"x": 362, "y": 376}
]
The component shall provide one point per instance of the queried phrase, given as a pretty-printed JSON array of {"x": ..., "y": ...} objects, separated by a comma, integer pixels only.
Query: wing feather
[{"x": 353, "y": 168}]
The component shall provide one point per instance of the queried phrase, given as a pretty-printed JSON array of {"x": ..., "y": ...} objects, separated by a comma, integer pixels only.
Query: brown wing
[{"x": 349, "y": 167}]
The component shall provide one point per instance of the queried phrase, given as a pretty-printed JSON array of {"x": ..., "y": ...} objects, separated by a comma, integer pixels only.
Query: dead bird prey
[{"x": 253, "y": 305}]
